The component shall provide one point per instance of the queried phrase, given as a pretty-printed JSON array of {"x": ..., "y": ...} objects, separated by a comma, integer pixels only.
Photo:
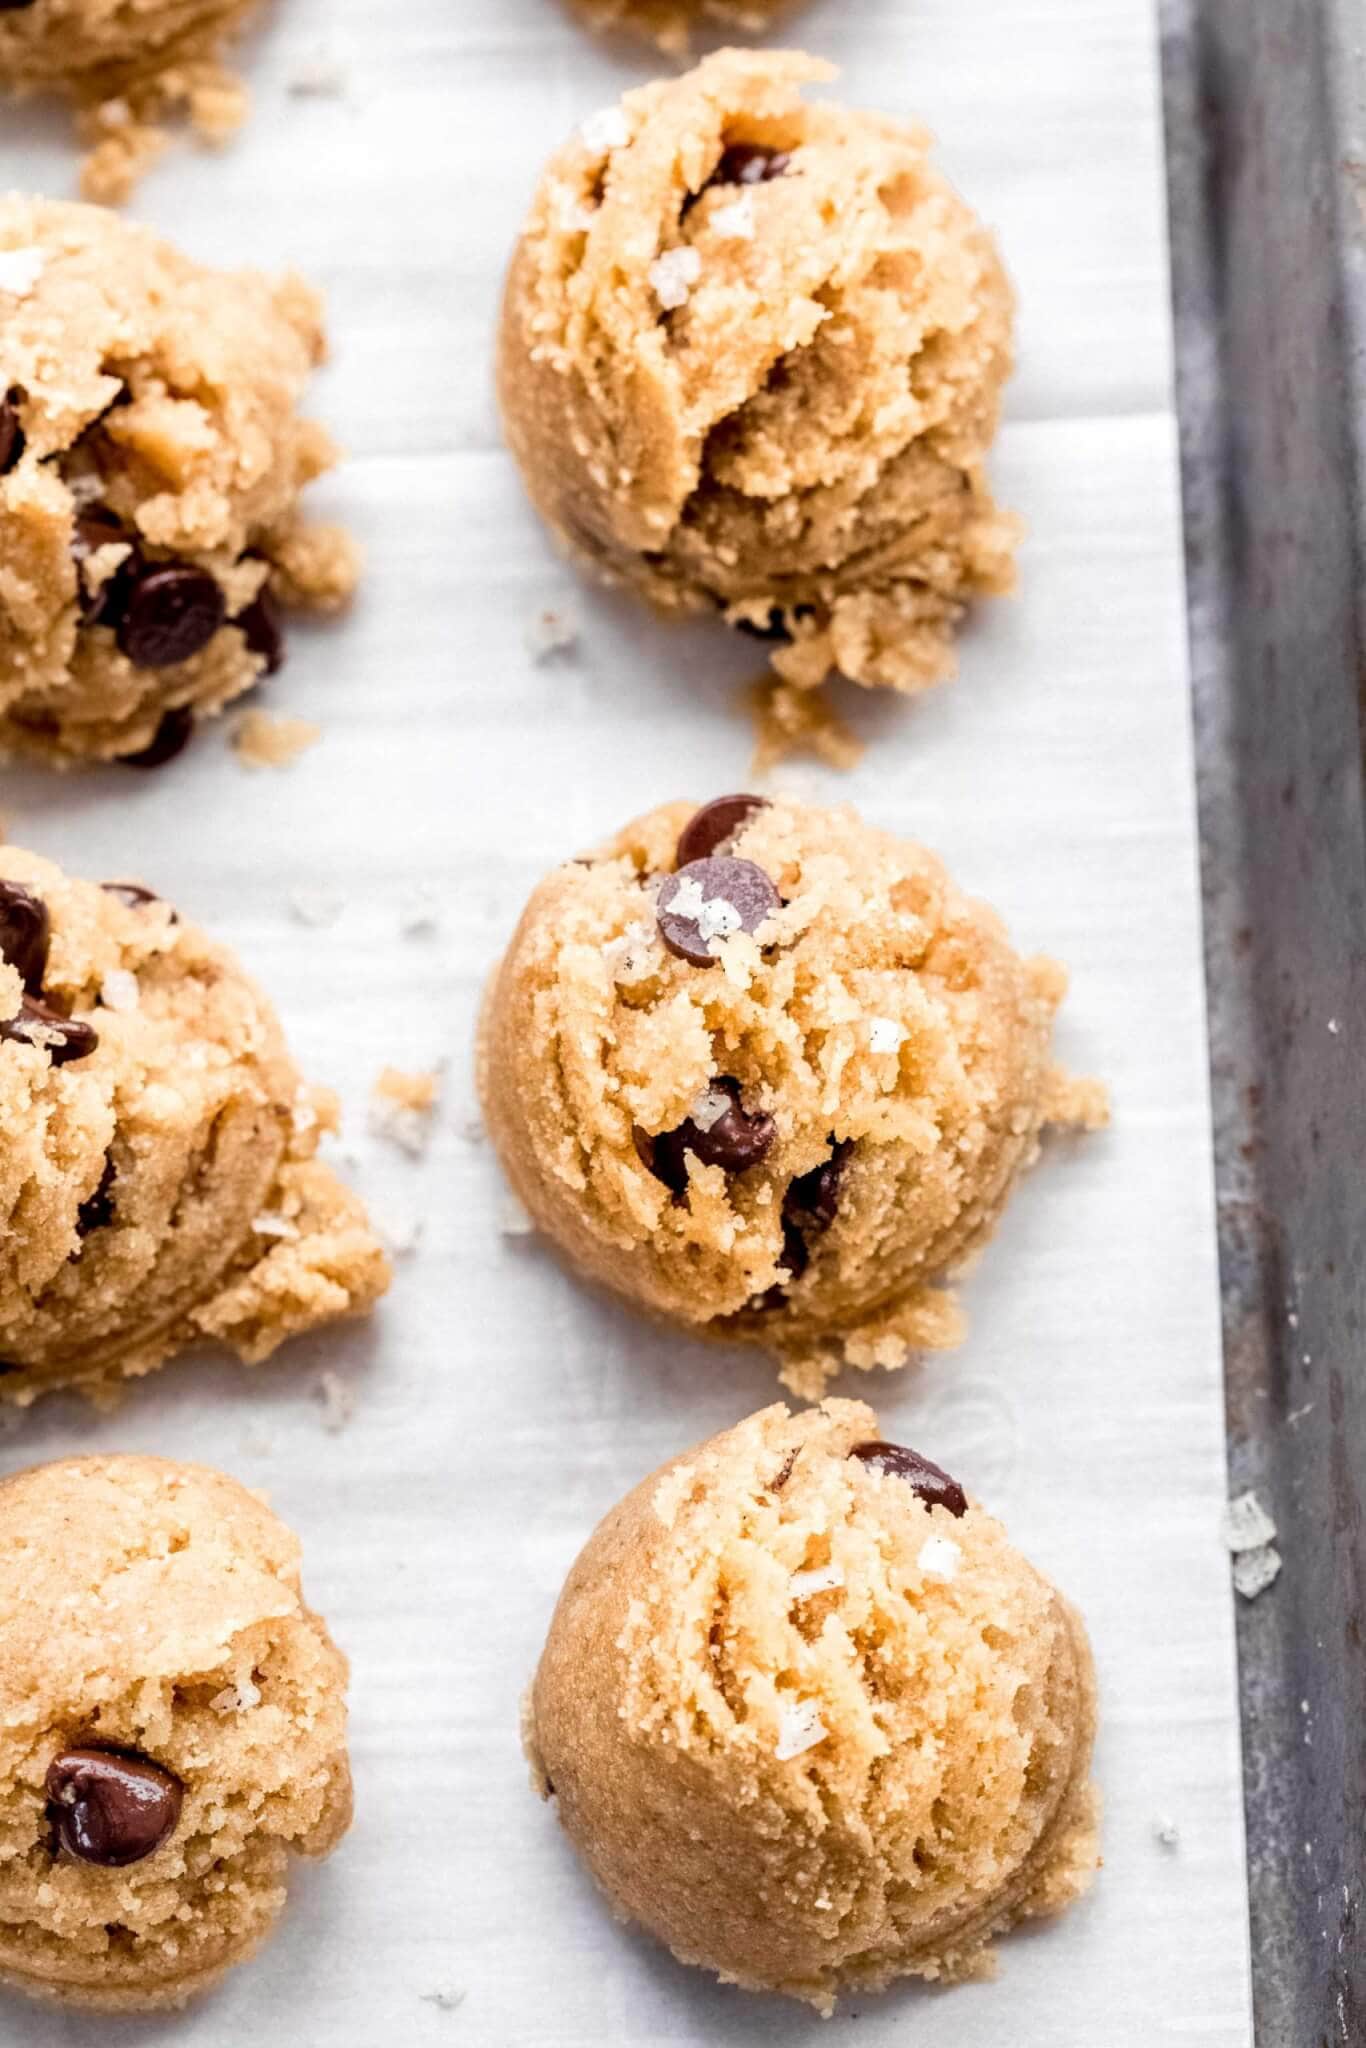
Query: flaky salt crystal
[
  {"x": 1255, "y": 1570},
  {"x": 20, "y": 270},
  {"x": 1247, "y": 1525},
  {"x": 119, "y": 990},
  {"x": 606, "y": 130},
  {"x": 939, "y": 1557},
  {"x": 823, "y": 1579},
  {"x": 271, "y": 1224},
  {"x": 736, "y": 222},
  {"x": 673, "y": 276},
  {"x": 800, "y": 1728},
  {"x": 709, "y": 1108},
  {"x": 886, "y": 1035}
]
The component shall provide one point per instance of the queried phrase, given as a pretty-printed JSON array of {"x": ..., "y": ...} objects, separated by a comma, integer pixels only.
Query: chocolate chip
[
  {"x": 111, "y": 1807},
  {"x": 708, "y": 900},
  {"x": 25, "y": 933},
  {"x": 15, "y": 6},
  {"x": 171, "y": 612},
  {"x": 934, "y": 1487},
  {"x": 171, "y": 737},
  {"x": 98, "y": 527},
  {"x": 714, "y": 825},
  {"x": 749, "y": 163},
  {"x": 134, "y": 894},
  {"x": 796, "y": 1258},
  {"x": 773, "y": 629},
  {"x": 12, "y": 439},
  {"x": 812, "y": 1201},
  {"x": 63, "y": 1039},
  {"x": 261, "y": 627},
  {"x": 97, "y": 1211},
  {"x": 734, "y": 1140}
]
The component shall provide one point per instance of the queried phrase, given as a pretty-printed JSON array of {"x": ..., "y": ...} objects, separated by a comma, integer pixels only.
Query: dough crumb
[
  {"x": 20, "y": 270},
  {"x": 263, "y": 740},
  {"x": 402, "y": 1107},
  {"x": 790, "y": 721}
]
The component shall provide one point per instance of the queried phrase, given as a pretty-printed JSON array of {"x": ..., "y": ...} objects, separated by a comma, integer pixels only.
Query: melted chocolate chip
[
  {"x": 111, "y": 1807},
  {"x": 749, "y": 163},
  {"x": 735, "y": 1140},
  {"x": 170, "y": 613},
  {"x": 707, "y": 901},
  {"x": 261, "y": 627},
  {"x": 171, "y": 737},
  {"x": 714, "y": 826},
  {"x": 97, "y": 1211},
  {"x": 25, "y": 932},
  {"x": 812, "y": 1202},
  {"x": 63, "y": 1039},
  {"x": 12, "y": 440},
  {"x": 933, "y": 1486}
]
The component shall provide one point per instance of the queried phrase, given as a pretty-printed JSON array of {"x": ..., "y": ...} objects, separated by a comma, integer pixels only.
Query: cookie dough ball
[
  {"x": 158, "y": 1177},
  {"x": 152, "y": 460},
  {"x": 751, "y": 357},
  {"x": 811, "y": 1720},
  {"x": 764, "y": 1070},
  {"x": 125, "y": 67},
  {"x": 172, "y": 1725},
  {"x": 670, "y": 23}
]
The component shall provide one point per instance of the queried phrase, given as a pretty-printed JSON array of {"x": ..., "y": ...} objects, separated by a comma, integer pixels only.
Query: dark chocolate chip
[
  {"x": 98, "y": 527},
  {"x": 796, "y": 1258},
  {"x": 812, "y": 1202},
  {"x": 784, "y": 1473},
  {"x": 97, "y": 1211},
  {"x": 773, "y": 629},
  {"x": 12, "y": 440},
  {"x": 727, "y": 896},
  {"x": 134, "y": 894},
  {"x": 171, "y": 613},
  {"x": 934, "y": 1487},
  {"x": 263, "y": 630},
  {"x": 749, "y": 163},
  {"x": 25, "y": 932},
  {"x": 171, "y": 737},
  {"x": 63, "y": 1039},
  {"x": 111, "y": 1807},
  {"x": 15, "y": 6},
  {"x": 735, "y": 1141},
  {"x": 714, "y": 825}
]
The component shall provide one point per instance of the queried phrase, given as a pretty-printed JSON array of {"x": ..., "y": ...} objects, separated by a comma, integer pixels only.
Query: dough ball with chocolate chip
[
  {"x": 159, "y": 1178},
  {"x": 671, "y": 23},
  {"x": 172, "y": 1726},
  {"x": 125, "y": 67},
  {"x": 751, "y": 357},
  {"x": 810, "y": 1719},
  {"x": 152, "y": 463},
  {"x": 764, "y": 1070}
]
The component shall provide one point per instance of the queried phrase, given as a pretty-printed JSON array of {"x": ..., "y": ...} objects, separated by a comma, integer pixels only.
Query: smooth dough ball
[
  {"x": 158, "y": 1178},
  {"x": 671, "y": 23},
  {"x": 127, "y": 64},
  {"x": 811, "y": 1720},
  {"x": 152, "y": 460},
  {"x": 172, "y": 1724},
  {"x": 776, "y": 1093},
  {"x": 751, "y": 359}
]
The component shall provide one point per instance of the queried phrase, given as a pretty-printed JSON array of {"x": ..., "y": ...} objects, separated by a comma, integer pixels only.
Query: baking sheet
[{"x": 499, "y": 1409}]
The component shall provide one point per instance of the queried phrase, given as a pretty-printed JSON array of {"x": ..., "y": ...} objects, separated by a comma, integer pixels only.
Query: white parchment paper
[{"x": 499, "y": 1409}]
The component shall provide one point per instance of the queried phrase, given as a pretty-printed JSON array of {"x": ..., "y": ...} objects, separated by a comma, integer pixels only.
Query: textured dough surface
[
  {"x": 126, "y": 65},
  {"x": 775, "y": 400},
  {"x": 671, "y": 23},
  {"x": 219, "y": 1220},
  {"x": 942, "y": 1725},
  {"x": 166, "y": 393},
  {"x": 154, "y": 1606},
  {"x": 593, "y": 1028}
]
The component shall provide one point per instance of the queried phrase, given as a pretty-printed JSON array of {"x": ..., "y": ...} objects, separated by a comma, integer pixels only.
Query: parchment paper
[{"x": 499, "y": 1408}]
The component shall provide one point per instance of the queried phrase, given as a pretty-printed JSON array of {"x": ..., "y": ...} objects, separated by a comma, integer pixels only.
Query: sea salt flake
[
  {"x": 551, "y": 630},
  {"x": 513, "y": 1220},
  {"x": 20, "y": 270},
  {"x": 1247, "y": 1525},
  {"x": 1255, "y": 1570},
  {"x": 940, "y": 1557},
  {"x": 709, "y": 1107},
  {"x": 236, "y": 1699},
  {"x": 886, "y": 1035},
  {"x": 271, "y": 1224},
  {"x": 800, "y": 1728},
  {"x": 119, "y": 990},
  {"x": 736, "y": 222},
  {"x": 316, "y": 907},
  {"x": 805, "y": 1585},
  {"x": 1166, "y": 1831},
  {"x": 606, "y": 130},
  {"x": 338, "y": 1399},
  {"x": 673, "y": 276},
  {"x": 633, "y": 957}
]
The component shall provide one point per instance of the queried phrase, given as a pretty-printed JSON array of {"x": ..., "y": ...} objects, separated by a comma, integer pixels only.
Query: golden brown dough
[
  {"x": 751, "y": 360},
  {"x": 890, "y": 1058},
  {"x": 811, "y": 1720}
]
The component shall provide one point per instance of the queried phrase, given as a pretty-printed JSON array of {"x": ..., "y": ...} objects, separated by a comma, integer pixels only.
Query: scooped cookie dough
[
  {"x": 158, "y": 1177},
  {"x": 172, "y": 1725},
  {"x": 126, "y": 66},
  {"x": 671, "y": 23},
  {"x": 751, "y": 359},
  {"x": 152, "y": 460},
  {"x": 764, "y": 1070},
  {"x": 811, "y": 1720}
]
